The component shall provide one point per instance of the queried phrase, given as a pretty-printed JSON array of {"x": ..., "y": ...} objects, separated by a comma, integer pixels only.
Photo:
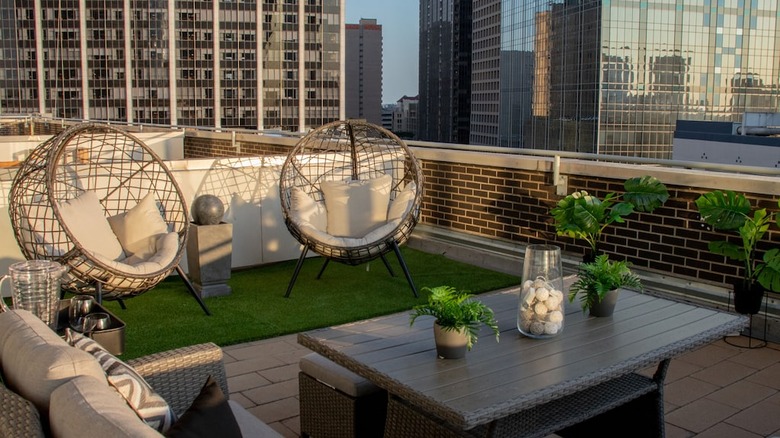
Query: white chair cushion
[
  {"x": 402, "y": 203},
  {"x": 137, "y": 229},
  {"x": 354, "y": 208},
  {"x": 304, "y": 209},
  {"x": 167, "y": 248},
  {"x": 86, "y": 220}
]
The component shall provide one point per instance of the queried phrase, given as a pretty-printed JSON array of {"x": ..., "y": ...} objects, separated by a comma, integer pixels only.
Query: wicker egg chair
[
  {"x": 345, "y": 152},
  {"x": 121, "y": 171}
]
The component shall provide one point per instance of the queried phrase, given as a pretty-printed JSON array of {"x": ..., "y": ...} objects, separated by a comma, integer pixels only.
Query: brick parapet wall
[
  {"x": 513, "y": 203},
  {"x": 216, "y": 145}
]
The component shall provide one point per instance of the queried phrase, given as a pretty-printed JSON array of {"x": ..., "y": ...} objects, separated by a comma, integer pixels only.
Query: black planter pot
[
  {"x": 605, "y": 307},
  {"x": 748, "y": 297}
]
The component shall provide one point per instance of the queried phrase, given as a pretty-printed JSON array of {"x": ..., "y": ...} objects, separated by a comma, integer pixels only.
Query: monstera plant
[
  {"x": 729, "y": 211},
  {"x": 581, "y": 215}
]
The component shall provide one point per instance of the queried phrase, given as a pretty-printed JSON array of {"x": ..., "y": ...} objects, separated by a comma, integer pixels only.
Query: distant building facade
[
  {"x": 250, "y": 64},
  {"x": 445, "y": 70},
  {"x": 614, "y": 77},
  {"x": 364, "y": 71},
  {"x": 405, "y": 117}
]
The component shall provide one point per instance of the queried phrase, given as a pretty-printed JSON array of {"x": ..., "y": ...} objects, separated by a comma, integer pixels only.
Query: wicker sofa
[{"x": 53, "y": 389}]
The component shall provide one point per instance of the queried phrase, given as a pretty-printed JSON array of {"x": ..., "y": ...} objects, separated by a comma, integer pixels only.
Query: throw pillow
[
  {"x": 354, "y": 208},
  {"x": 402, "y": 203},
  {"x": 139, "y": 228},
  {"x": 307, "y": 210},
  {"x": 209, "y": 415},
  {"x": 149, "y": 406},
  {"x": 86, "y": 220}
]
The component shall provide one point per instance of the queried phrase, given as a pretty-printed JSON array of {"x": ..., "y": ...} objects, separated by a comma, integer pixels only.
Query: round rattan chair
[
  {"x": 120, "y": 170},
  {"x": 351, "y": 151}
]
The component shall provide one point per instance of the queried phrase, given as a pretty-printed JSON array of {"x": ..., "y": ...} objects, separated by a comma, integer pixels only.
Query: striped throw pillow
[{"x": 149, "y": 406}]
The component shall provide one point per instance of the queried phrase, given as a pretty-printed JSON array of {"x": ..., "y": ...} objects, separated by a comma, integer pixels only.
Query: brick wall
[
  {"x": 208, "y": 147},
  {"x": 514, "y": 204}
]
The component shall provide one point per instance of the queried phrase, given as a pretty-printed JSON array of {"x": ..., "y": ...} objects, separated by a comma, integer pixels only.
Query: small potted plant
[
  {"x": 584, "y": 216},
  {"x": 458, "y": 319},
  {"x": 598, "y": 284},
  {"x": 729, "y": 211}
]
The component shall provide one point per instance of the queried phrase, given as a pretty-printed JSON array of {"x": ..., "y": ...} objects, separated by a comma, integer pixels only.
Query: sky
[{"x": 400, "y": 21}]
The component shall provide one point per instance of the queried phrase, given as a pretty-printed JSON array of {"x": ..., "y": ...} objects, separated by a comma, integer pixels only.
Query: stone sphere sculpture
[{"x": 207, "y": 210}]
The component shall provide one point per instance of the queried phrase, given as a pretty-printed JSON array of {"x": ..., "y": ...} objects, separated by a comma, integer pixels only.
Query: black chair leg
[
  {"x": 322, "y": 269},
  {"x": 297, "y": 271},
  {"x": 191, "y": 288},
  {"x": 404, "y": 268},
  {"x": 387, "y": 265}
]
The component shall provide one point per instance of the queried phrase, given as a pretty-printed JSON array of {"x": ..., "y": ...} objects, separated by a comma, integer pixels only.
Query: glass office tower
[
  {"x": 613, "y": 76},
  {"x": 445, "y": 70},
  {"x": 249, "y": 64}
]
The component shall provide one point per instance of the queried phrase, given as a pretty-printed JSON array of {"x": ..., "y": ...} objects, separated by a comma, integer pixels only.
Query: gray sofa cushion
[
  {"x": 86, "y": 406},
  {"x": 35, "y": 360},
  {"x": 336, "y": 376}
]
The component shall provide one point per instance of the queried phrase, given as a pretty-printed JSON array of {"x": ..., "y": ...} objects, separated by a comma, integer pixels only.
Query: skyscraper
[
  {"x": 614, "y": 76},
  {"x": 250, "y": 64},
  {"x": 364, "y": 71},
  {"x": 445, "y": 70}
]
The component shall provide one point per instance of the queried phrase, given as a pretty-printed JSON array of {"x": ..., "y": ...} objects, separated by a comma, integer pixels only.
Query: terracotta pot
[
  {"x": 748, "y": 297},
  {"x": 606, "y": 306},
  {"x": 450, "y": 344}
]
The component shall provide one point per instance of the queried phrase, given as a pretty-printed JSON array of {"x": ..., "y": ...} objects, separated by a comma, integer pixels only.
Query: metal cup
[
  {"x": 80, "y": 306},
  {"x": 95, "y": 322}
]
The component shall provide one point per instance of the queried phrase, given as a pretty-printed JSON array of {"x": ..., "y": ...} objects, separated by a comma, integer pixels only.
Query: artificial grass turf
[{"x": 168, "y": 317}]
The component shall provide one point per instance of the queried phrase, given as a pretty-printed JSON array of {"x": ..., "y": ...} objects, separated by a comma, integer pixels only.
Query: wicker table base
[{"x": 631, "y": 405}]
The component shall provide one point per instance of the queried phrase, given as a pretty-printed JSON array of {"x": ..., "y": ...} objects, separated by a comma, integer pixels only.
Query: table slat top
[{"x": 497, "y": 379}]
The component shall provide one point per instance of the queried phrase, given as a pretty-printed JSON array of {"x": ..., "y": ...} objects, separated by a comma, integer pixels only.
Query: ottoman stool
[{"x": 336, "y": 402}]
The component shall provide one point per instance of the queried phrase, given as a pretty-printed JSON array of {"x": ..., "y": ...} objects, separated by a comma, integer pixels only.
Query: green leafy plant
[
  {"x": 455, "y": 310},
  {"x": 729, "y": 211},
  {"x": 584, "y": 216},
  {"x": 596, "y": 278}
]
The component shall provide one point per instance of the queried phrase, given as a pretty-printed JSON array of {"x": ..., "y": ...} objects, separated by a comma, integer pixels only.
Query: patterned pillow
[{"x": 149, "y": 406}]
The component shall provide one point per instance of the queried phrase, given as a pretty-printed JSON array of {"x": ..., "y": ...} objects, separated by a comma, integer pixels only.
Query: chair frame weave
[
  {"x": 354, "y": 150},
  {"x": 120, "y": 169}
]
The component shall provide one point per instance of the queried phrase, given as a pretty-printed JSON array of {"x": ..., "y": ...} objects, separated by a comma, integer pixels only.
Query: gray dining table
[{"x": 521, "y": 386}]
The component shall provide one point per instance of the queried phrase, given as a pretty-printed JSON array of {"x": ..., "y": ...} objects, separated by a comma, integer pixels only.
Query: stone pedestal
[{"x": 209, "y": 258}]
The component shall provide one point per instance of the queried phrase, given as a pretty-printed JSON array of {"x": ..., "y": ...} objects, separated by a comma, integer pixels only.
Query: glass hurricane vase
[{"x": 540, "y": 311}]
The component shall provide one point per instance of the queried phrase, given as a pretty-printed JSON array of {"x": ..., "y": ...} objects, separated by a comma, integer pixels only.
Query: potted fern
[
  {"x": 598, "y": 284},
  {"x": 458, "y": 319},
  {"x": 581, "y": 215},
  {"x": 729, "y": 211}
]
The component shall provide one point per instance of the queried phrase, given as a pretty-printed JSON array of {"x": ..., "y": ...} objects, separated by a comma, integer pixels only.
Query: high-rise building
[
  {"x": 614, "y": 76},
  {"x": 364, "y": 71},
  {"x": 251, "y": 64},
  {"x": 445, "y": 70}
]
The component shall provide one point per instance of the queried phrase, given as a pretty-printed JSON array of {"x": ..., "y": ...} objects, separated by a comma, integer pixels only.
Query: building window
[{"x": 291, "y": 93}]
